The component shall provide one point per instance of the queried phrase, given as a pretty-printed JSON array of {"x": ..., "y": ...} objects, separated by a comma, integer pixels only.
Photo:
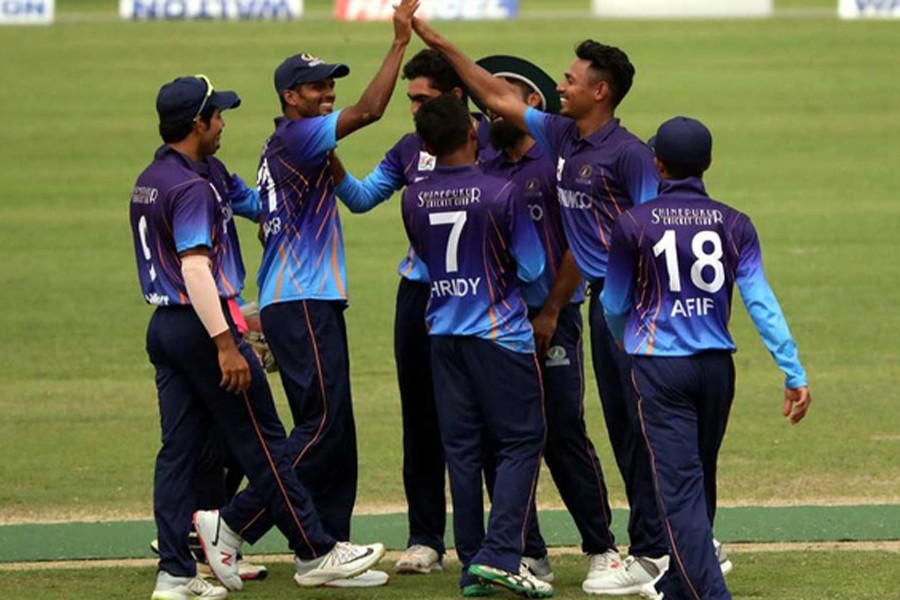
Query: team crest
[
  {"x": 585, "y": 172},
  {"x": 532, "y": 185},
  {"x": 308, "y": 57},
  {"x": 556, "y": 357},
  {"x": 427, "y": 161}
]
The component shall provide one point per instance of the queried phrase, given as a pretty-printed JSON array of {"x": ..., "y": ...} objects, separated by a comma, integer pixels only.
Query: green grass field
[
  {"x": 810, "y": 576},
  {"x": 803, "y": 109}
]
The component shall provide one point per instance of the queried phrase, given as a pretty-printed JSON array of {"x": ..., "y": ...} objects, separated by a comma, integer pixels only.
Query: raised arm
[
  {"x": 496, "y": 95},
  {"x": 370, "y": 106}
]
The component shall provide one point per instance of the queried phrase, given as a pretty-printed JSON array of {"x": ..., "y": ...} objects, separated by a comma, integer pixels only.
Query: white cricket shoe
[
  {"x": 419, "y": 558},
  {"x": 629, "y": 577},
  {"x": 724, "y": 563},
  {"x": 221, "y": 546},
  {"x": 539, "y": 567},
  {"x": 523, "y": 582},
  {"x": 649, "y": 592},
  {"x": 370, "y": 578},
  {"x": 251, "y": 572},
  {"x": 602, "y": 563},
  {"x": 344, "y": 561},
  {"x": 169, "y": 587}
]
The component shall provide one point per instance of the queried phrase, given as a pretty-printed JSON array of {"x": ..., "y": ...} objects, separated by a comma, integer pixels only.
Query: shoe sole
[
  {"x": 255, "y": 576},
  {"x": 492, "y": 578},
  {"x": 368, "y": 579},
  {"x": 322, "y": 578},
  {"x": 414, "y": 570},
  {"x": 234, "y": 587}
]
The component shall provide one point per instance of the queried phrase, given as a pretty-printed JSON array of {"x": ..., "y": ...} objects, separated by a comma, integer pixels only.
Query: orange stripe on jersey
[
  {"x": 497, "y": 229},
  {"x": 600, "y": 229},
  {"x": 335, "y": 267},
  {"x": 294, "y": 171},
  {"x": 611, "y": 195},
  {"x": 283, "y": 256}
]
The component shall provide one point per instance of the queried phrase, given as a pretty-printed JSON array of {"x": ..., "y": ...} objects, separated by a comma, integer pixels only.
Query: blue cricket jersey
[
  {"x": 477, "y": 243},
  {"x": 176, "y": 205},
  {"x": 535, "y": 178},
  {"x": 405, "y": 163},
  {"x": 303, "y": 258},
  {"x": 598, "y": 178},
  {"x": 673, "y": 266}
]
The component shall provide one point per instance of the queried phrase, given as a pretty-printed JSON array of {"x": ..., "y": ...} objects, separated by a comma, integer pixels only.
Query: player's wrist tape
[{"x": 202, "y": 291}]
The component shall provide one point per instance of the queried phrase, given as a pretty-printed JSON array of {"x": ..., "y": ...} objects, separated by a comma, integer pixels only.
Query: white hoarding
[
  {"x": 26, "y": 12},
  {"x": 862, "y": 9},
  {"x": 243, "y": 10},
  {"x": 682, "y": 8}
]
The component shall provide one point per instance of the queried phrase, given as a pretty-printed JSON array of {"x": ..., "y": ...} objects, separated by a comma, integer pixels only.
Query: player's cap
[
  {"x": 682, "y": 140},
  {"x": 306, "y": 68},
  {"x": 185, "y": 98},
  {"x": 529, "y": 73}
]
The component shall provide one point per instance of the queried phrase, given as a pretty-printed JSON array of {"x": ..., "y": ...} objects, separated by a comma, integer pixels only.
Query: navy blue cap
[
  {"x": 306, "y": 68},
  {"x": 182, "y": 99},
  {"x": 682, "y": 141},
  {"x": 528, "y": 73}
]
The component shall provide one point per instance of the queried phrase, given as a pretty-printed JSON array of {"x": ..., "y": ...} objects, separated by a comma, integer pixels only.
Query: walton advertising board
[
  {"x": 863, "y": 9},
  {"x": 26, "y": 12},
  {"x": 381, "y": 10},
  {"x": 244, "y": 10}
]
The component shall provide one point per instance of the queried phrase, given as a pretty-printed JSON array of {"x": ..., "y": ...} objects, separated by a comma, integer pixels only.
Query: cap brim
[
  {"x": 525, "y": 71},
  {"x": 224, "y": 100},
  {"x": 325, "y": 71}
]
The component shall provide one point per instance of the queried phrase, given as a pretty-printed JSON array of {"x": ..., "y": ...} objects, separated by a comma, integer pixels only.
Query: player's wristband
[{"x": 201, "y": 289}]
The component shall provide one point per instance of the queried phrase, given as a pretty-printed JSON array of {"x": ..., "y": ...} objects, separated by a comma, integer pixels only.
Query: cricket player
[
  {"x": 476, "y": 240},
  {"x": 673, "y": 266},
  {"x": 429, "y": 75},
  {"x": 601, "y": 170},
  {"x": 303, "y": 284},
  {"x": 206, "y": 376},
  {"x": 554, "y": 309}
]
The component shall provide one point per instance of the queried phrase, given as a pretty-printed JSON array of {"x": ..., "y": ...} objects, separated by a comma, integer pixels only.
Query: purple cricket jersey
[
  {"x": 178, "y": 204},
  {"x": 672, "y": 271},
  {"x": 303, "y": 257},
  {"x": 404, "y": 164},
  {"x": 477, "y": 242},
  {"x": 598, "y": 178},
  {"x": 535, "y": 177}
]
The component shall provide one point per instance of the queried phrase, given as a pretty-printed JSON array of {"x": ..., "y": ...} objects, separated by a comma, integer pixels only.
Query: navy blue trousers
[
  {"x": 489, "y": 399},
  {"x": 683, "y": 404},
  {"x": 612, "y": 370},
  {"x": 309, "y": 341},
  {"x": 423, "y": 454},
  {"x": 569, "y": 453},
  {"x": 191, "y": 402}
]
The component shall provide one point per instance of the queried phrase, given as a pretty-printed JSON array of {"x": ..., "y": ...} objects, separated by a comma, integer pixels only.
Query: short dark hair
[
  {"x": 432, "y": 65},
  {"x": 611, "y": 64},
  {"x": 685, "y": 170},
  {"x": 443, "y": 124},
  {"x": 172, "y": 132}
]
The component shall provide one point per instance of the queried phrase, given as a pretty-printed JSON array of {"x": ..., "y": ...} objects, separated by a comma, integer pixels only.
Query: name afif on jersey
[{"x": 459, "y": 287}]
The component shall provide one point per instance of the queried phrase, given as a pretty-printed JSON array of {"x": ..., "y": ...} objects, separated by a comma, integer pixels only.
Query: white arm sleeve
[{"x": 201, "y": 289}]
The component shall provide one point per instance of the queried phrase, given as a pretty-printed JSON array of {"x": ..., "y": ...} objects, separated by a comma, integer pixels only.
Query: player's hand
[
  {"x": 544, "y": 326},
  {"x": 235, "y": 370},
  {"x": 796, "y": 403},
  {"x": 403, "y": 17}
]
